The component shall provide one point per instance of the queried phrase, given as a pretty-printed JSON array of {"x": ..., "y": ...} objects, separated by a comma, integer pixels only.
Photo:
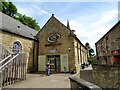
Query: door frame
[{"x": 55, "y": 63}]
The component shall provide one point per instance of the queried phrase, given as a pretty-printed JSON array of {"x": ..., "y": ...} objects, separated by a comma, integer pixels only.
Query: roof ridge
[{"x": 49, "y": 20}]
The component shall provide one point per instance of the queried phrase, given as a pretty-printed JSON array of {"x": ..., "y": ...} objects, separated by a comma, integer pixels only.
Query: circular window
[{"x": 53, "y": 38}]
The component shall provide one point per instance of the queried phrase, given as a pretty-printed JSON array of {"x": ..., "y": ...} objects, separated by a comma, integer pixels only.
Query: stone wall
[
  {"x": 109, "y": 42},
  {"x": 80, "y": 54},
  {"x": 7, "y": 40},
  {"x": 80, "y": 84},
  {"x": 107, "y": 76},
  {"x": 66, "y": 44}
]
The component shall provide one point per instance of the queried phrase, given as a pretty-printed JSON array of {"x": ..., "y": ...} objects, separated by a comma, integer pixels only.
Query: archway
[{"x": 17, "y": 47}]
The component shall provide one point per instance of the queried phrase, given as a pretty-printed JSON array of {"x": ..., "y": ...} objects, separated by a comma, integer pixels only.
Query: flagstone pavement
[
  {"x": 43, "y": 81},
  {"x": 57, "y": 80}
]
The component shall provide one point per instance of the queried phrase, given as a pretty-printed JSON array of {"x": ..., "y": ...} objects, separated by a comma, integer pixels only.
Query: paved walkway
[
  {"x": 60, "y": 80},
  {"x": 43, "y": 81}
]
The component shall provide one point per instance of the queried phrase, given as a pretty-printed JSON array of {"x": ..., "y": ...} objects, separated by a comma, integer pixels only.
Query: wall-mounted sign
[
  {"x": 52, "y": 50},
  {"x": 53, "y": 38}
]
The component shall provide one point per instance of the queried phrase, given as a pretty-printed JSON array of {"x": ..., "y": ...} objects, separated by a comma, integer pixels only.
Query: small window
[
  {"x": 17, "y": 47},
  {"x": 18, "y": 27},
  {"x": 107, "y": 37},
  {"x": 100, "y": 43}
]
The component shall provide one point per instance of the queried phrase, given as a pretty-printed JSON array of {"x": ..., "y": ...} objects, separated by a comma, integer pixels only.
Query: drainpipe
[
  {"x": 33, "y": 69},
  {"x": 35, "y": 53},
  {"x": 33, "y": 64}
]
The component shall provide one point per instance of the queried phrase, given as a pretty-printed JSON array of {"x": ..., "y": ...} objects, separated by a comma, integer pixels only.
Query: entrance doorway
[{"x": 54, "y": 61}]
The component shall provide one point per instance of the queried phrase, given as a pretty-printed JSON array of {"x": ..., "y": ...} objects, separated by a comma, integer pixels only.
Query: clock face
[{"x": 53, "y": 38}]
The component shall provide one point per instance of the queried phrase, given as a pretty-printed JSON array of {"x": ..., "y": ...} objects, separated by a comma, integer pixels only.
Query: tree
[
  {"x": 9, "y": 8},
  {"x": 1, "y": 4},
  {"x": 90, "y": 50},
  {"x": 28, "y": 21},
  {"x": 91, "y": 55}
]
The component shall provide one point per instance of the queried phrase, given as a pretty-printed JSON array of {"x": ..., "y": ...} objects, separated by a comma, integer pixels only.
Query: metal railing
[{"x": 13, "y": 69}]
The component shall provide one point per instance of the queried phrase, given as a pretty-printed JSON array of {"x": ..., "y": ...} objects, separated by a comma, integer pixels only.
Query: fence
[{"x": 13, "y": 69}]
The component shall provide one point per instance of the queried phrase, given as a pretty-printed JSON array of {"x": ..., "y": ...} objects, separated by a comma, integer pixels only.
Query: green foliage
[
  {"x": 90, "y": 50},
  {"x": 1, "y": 4},
  {"x": 92, "y": 59},
  {"x": 10, "y": 9},
  {"x": 91, "y": 55},
  {"x": 28, "y": 21}
]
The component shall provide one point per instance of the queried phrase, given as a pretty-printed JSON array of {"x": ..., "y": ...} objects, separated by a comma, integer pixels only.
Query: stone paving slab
[{"x": 43, "y": 81}]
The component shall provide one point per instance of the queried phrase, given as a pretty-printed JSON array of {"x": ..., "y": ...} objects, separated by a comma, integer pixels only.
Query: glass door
[
  {"x": 57, "y": 63},
  {"x": 51, "y": 60},
  {"x": 54, "y": 61}
]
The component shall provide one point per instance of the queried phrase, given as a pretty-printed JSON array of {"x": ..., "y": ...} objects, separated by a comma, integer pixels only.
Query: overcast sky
[{"x": 90, "y": 19}]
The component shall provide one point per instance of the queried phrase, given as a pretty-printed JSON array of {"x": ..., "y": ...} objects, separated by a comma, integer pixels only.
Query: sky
[{"x": 90, "y": 19}]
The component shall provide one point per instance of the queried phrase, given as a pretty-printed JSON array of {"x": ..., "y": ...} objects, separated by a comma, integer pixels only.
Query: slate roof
[{"x": 11, "y": 25}]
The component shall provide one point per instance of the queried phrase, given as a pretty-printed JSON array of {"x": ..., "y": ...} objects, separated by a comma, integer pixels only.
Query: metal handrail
[
  {"x": 9, "y": 61},
  {"x": 13, "y": 70},
  {"x": 5, "y": 59}
]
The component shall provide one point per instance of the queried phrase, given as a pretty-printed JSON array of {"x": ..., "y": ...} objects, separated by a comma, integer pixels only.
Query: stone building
[
  {"x": 16, "y": 37},
  {"x": 108, "y": 47},
  {"x": 59, "y": 46},
  {"x": 54, "y": 43}
]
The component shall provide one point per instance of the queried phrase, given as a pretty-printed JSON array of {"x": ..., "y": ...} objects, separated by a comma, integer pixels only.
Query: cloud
[
  {"x": 104, "y": 23},
  {"x": 41, "y": 11},
  {"x": 32, "y": 9},
  {"x": 89, "y": 25},
  {"x": 23, "y": 11},
  {"x": 80, "y": 30},
  {"x": 92, "y": 31},
  {"x": 107, "y": 17}
]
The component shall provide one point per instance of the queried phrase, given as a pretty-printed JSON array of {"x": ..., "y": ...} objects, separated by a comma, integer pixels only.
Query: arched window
[{"x": 17, "y": 47}]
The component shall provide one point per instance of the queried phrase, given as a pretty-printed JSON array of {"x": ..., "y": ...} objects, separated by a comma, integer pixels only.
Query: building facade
[
  {"x": 108, "y": 47},
  {"x": 59, "y": 46},
  {"x": 55, "y": 43},
  {"x": 16, "y": 37}
]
